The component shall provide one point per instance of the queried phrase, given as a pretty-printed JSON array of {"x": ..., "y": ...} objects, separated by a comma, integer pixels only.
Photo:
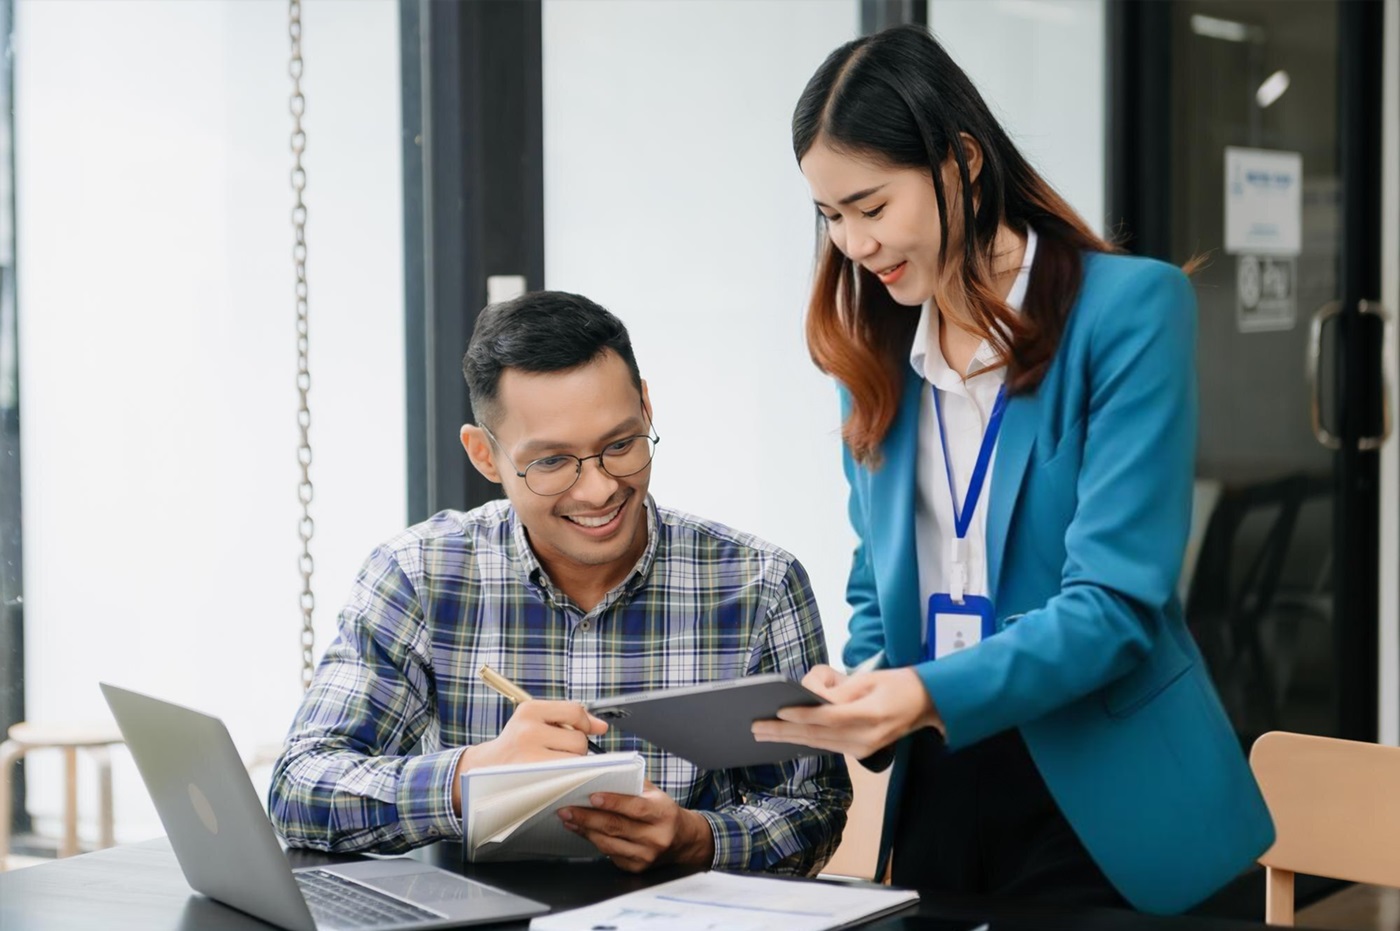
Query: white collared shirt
[{"x": 967, "y": 406}]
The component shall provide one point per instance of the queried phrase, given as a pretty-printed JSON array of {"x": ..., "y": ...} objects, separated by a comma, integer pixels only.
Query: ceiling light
[
  {"x": 1227, "y": 29},
  {"x": 1272, "y": 88}
]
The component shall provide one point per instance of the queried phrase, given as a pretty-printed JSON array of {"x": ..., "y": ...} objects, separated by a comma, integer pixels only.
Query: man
[{"x": 576, "y": 587}]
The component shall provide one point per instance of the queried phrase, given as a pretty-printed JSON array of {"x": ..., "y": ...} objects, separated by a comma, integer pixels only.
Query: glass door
[{"x": 1259, "y": 150}]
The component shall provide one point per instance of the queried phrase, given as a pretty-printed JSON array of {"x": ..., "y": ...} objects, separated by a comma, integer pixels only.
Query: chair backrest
[
  {"x": 860, "y": 843},
  {"x": 1205, "y": 495},
  {"x": 1336, "y": 811}
]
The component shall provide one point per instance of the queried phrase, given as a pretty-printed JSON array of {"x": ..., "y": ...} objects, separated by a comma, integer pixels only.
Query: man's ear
[
  {"x": 478, "y": 447},
  {"x": 646, "y": 402}
]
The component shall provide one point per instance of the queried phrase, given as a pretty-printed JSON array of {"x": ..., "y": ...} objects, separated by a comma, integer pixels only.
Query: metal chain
[{"x": 305, "y": 490}]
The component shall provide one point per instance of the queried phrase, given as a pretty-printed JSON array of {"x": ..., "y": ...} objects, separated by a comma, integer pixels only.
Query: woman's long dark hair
[{"x": 896, "y": 96}]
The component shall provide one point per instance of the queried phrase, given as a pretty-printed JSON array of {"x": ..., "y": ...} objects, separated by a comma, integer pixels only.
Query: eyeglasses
[{"x": 554, "y": 475}]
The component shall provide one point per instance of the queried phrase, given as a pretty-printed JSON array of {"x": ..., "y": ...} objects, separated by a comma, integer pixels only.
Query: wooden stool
[{"x": 92, "y": 738}]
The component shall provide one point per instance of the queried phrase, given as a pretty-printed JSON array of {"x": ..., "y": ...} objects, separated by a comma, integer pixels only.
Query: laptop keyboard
[{"x": 336, "y": 902}]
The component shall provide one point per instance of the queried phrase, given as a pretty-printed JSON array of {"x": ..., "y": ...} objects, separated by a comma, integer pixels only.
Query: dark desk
[{"x": 139, "y": 887}]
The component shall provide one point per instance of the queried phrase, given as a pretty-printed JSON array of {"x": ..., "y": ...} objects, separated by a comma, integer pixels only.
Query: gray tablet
[{"x": 711, "y": 724}]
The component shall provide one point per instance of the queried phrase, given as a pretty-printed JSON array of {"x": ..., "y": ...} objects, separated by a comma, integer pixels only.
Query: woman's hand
[{"x": 868, "y": 711}]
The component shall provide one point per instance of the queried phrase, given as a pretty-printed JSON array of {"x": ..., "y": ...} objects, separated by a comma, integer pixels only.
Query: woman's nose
[{"x": 859, "y": 244}]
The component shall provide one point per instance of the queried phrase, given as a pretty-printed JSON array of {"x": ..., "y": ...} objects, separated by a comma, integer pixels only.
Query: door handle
[
  {"x": 1324, "y": 313},
  {"x": 1376, "y": 442},
  {"x": 1324, "y": 436}
]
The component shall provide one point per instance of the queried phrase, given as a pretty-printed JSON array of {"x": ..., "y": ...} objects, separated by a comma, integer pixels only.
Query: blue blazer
[{"x": 1089, "y": 508}]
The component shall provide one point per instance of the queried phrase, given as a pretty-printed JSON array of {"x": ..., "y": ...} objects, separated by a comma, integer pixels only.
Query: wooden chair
[
  {"x": 94, "y": 739},
  {"x": 860, "y": 844},
  {"x": 1336, "y": 809}
]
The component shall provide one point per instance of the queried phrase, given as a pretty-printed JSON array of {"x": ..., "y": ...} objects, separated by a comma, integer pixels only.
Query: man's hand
[
  {"x": 639, "y": 832},
  {"x": 537, "y": 730},
  {"x": 868, "y": 711}
]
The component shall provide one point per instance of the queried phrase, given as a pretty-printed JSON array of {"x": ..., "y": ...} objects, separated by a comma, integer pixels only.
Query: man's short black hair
[{"x": 544, "y": 331}]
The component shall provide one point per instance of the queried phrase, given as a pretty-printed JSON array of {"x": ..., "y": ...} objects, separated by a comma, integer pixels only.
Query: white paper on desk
[
  {"x": 732, "y": 902},
  {"x": 510, "y": 812}
]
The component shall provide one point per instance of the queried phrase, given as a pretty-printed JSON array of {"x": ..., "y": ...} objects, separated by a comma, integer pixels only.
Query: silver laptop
[{"x": 228, "y": 851}]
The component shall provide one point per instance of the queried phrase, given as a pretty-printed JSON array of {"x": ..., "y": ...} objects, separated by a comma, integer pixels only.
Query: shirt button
[{"x": 585, "y": 625}]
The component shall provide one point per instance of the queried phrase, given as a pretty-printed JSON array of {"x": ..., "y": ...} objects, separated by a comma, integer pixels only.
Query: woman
[{"x": 1020, "y": 422}]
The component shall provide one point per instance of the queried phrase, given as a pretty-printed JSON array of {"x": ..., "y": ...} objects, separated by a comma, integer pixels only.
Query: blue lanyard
[{"x": 962, "y": 519}]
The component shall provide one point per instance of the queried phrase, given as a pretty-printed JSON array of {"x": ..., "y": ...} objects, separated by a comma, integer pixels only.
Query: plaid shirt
[{"x": 461, "y": 589}]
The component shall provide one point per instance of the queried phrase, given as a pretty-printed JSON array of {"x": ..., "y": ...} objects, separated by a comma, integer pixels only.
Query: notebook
[
  {"x": 227, "y": 849},
  {"x": 509, "y": 811}
]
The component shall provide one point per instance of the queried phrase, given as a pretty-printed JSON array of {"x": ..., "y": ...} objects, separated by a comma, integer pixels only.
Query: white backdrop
[{"x": 158, "y": 355}]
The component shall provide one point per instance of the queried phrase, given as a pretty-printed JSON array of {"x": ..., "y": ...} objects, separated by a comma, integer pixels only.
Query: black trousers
[{"x": 980, "y": 821}]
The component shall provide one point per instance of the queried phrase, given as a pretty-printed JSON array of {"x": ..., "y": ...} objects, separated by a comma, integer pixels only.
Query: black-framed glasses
[{"x": 554, "y": 475}]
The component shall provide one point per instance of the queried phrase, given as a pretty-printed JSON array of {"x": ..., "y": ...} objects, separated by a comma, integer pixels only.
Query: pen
[
  {"x": 515, "y": 694},
  {"x": 870, "y": 664}
]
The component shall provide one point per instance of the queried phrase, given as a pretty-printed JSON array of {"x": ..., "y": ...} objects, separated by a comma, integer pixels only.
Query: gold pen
[{"x": 515, "y": 694}]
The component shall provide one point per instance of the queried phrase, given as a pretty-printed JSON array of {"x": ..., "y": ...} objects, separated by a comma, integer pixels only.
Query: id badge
[{"x": 952, "y": 627}]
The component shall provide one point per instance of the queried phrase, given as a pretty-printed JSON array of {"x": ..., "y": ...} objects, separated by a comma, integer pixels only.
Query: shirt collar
[
  {"x": 931, "y": 366},
  {"x": 526, "y": 565}
]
